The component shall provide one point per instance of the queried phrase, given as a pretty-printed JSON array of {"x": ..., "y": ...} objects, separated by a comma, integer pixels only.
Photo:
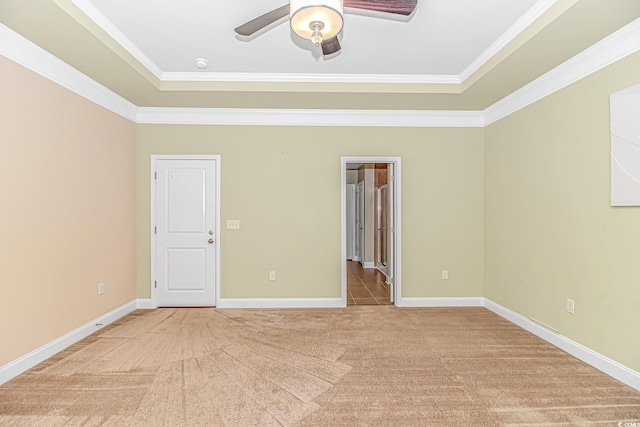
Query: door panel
[
  {"x": 186, "y": 201},
  {"x": 351, "y": 220},
  {"x": 381, "y": 227},
  {"x": 186, "y": 269},
  {"x": 185, "y": 240},
  {"x": 360, "y": 222}
]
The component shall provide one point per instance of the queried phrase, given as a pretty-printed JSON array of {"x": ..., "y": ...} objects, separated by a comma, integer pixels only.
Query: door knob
[{"x": 210, "y": 241}]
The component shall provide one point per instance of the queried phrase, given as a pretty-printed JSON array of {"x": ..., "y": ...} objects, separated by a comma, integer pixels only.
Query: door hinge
[
  {"x": 155, "y": 230},
  {"x": 155, "y": 175},
  {"x": 393, "y": 178},
  {"x": 393, "y": 280},
  {"x": 155, "y": 284}
]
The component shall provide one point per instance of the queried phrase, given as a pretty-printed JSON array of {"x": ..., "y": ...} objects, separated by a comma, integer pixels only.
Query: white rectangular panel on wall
[{"x": 625, "y": 147}]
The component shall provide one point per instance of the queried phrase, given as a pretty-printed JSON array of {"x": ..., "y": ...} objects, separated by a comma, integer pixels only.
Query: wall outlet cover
[{"x": 571, "y": 306}]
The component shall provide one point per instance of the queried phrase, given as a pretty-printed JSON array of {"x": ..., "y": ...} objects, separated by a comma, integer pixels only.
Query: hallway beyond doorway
[{"x": 366, "y": 286}]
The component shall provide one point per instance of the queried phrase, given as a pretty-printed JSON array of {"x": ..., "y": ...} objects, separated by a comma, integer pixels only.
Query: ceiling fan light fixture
[{"x": 316, "y": 21}]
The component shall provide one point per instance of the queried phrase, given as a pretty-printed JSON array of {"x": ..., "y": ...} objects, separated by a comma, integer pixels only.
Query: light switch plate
[{"x": 233, "y": 224}]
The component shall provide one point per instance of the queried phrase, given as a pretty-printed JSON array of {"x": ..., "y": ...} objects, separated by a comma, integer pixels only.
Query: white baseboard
[
  {"x": 28, "y": 361},
  {"x": 368, "y": 265},
  {"x": 144, "y": 303},
  {"x": 440, "y": 302},
  {"x": 597, "y": 360},
  {"x": 280, "y": 303}
]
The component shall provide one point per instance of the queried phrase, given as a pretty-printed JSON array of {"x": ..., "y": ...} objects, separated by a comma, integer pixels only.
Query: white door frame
[
  {"x": 397, "y": 208},
  {"x": 152, "y": 178}
]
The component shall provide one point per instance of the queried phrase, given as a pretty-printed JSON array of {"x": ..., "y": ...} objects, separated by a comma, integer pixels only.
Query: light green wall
[
  {"x": 293, "y": 225},
  {"x": 550, "y": 232}
]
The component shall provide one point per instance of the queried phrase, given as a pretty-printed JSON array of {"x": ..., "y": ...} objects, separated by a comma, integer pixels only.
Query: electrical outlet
[
  {"x": 445, "y": 274},
  {"x": 100, "y": 288},
  {"x": 233, "y": 224},
  {"x": 571, "y": 306},
  {"x": 272, "y": 275}
]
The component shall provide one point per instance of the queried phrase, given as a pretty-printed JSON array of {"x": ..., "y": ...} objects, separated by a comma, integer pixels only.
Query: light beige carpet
[{"x": 359, "y": 366}]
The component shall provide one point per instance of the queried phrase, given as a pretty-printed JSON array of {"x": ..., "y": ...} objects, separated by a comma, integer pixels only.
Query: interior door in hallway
[
  {"x": 360, "y": 222},
  {"x": 185, "y": 232},
  {"x": 382, "y": 215}
]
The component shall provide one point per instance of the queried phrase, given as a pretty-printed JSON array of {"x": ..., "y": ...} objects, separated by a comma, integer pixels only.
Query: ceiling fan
[{"x": 321, "y": 20}]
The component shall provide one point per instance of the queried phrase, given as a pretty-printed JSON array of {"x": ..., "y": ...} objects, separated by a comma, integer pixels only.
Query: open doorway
[{"x": 371, "y": 267}]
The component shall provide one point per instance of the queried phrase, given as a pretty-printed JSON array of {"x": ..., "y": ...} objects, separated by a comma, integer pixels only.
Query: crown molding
[
  {"x": 516, "y": 29},
  {"x": 86, "y": 7},
  {"x": 609, "y": 50},
  {"x": 22, "y": 51},
  {"x": 309, "y": 78},
  {"x": 615, "y": 47},
  {"x": 283, "y": 117}
]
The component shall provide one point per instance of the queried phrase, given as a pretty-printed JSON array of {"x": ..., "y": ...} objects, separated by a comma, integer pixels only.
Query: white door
[
  {"x": 351, "y": 220},
  {"x": 360, "y": 222},
  {"x": 185, "y": 232}
]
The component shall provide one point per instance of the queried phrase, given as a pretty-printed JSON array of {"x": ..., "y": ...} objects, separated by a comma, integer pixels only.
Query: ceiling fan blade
[
  {"x": 262, "y": 21},
  {"x": 330, "y": 46},
  {"x": 398, "y": 7}
]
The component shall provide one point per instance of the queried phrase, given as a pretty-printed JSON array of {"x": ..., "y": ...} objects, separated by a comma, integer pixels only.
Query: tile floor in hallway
[{"x": 366, "y": 286}]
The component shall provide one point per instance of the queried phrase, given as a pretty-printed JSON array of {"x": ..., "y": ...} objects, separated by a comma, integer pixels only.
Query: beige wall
[
  {"x": 68, "y": 209},
  {"x": 293, "y": 227},
  {"x": 550, "y": 232}
]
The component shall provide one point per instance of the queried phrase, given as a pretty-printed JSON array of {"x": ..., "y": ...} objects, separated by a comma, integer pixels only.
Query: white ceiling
[{"x": 442, "y": 38}]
